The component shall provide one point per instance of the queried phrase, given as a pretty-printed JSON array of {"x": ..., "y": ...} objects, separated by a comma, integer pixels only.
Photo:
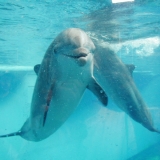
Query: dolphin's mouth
[{"x": 77, "y": 56}]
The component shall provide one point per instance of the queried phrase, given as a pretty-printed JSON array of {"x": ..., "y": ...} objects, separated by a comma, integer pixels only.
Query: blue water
[{"x": 93, "y": 132}]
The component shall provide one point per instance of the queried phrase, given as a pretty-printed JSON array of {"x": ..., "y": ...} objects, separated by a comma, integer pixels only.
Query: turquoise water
[{"x": 92, "y": 132}]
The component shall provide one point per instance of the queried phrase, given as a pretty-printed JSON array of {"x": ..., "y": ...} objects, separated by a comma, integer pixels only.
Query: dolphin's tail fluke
[{"x": 19, "y": 133}]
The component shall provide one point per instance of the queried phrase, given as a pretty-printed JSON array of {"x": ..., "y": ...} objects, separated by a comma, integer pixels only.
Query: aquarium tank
[{"x": 80, "y": 80}]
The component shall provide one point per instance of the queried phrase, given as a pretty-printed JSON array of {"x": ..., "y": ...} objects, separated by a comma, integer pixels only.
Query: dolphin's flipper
[
  {"x": 37, "y": 68},
  {"x": 12, "y": 134},
  {"x": 130, "y": 67},
  {"x": 94, "y": 87}
]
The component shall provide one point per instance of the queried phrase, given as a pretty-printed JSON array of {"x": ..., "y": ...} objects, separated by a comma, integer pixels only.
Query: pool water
[{"x": 92, "y": 132}]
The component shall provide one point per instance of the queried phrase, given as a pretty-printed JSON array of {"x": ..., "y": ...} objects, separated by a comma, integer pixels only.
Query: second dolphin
[{"x": 116, "y": 79}]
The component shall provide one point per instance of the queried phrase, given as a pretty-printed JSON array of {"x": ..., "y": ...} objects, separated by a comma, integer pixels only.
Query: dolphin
[
  {"x": 116, "y": 79},
  {"x": 62, "y": 77}
]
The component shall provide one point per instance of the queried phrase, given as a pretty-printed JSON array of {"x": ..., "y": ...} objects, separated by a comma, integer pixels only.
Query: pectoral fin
[
  {"x": 130, "y": 67},
  {"x": 94, "y": 87},
  {"x": 37, "y": 68}
]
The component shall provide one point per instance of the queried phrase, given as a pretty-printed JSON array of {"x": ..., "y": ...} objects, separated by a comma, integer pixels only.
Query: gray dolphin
[
  {"x": 64, "y": 74},
  {"x": 116, "y": 79}
]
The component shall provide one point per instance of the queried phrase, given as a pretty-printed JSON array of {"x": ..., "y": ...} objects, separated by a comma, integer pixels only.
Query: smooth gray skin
[
  {"x": 64, "y": 74},
  {"x": 116, "y": 80}
]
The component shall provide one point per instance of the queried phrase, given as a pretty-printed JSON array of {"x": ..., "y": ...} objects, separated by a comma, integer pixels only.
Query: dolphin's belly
[
  {"x": 115, "y": 78},
  {"x": 64, "y": 102},
  {"x": 121, "y": 89},
  {"x": 65, "y": 99}
]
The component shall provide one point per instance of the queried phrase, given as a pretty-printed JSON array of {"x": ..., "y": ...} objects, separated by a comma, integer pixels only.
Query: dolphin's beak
[
  {"x": 80, "y": 58},
  {"x": 80, "y": 55},
  {"x": 77, "y": 53},
  {"x": 77, "y": 56}
]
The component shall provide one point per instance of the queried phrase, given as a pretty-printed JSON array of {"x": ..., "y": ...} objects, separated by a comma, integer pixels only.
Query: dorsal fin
[
  {"x": 37, "y": 68},
  {"x": 130, "y": 67}
]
